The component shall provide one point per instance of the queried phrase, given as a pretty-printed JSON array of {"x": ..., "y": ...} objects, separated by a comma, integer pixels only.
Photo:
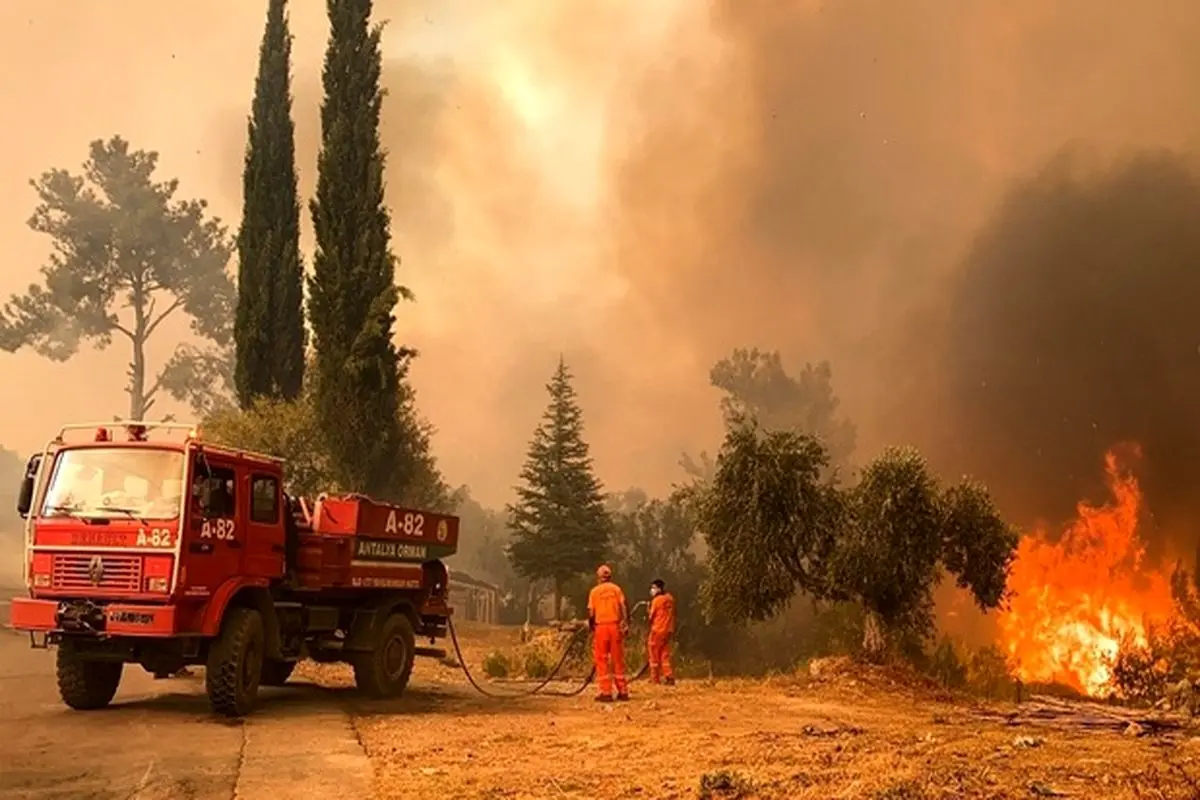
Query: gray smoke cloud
[
  {"x": 1073, "y": 328},
  {"x": 882, "y": 184}
]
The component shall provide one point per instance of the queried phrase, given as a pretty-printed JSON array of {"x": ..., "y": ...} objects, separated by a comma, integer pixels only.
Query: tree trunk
[
  {"x": 527, "y": 628},
  {"x": 874, "y": 640},
  {"x": 558, "y": 598},
  {"x": 137, "y": 367},
  {"x": 529, "y": 596},
  {"x": 137, "y": 383}
]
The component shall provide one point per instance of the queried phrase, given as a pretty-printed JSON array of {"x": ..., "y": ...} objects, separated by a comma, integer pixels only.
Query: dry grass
[{"x": 846, "y": 734}]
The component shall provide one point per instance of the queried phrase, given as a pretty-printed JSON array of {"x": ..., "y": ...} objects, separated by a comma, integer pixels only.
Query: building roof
[{"x": 463, "y": 579}]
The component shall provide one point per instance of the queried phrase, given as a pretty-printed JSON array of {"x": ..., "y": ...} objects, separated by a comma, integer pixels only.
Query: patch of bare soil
[{"x": 844, "y": 733}]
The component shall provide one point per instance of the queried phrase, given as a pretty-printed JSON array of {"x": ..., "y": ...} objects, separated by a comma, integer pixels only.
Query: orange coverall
[
  {"x": 662, "y": 628},
  {"x": 606, "y": 606}
]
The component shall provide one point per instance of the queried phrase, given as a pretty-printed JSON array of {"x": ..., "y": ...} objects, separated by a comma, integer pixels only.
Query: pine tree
[
  {"x": 352, "y": 292},
  {"x": 559, "y": 523},
  {"x": 127, "y": 255},
  {"x": 269, "y": 328}
]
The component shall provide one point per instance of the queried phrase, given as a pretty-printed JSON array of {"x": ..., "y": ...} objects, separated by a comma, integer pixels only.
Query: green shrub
[
  {"x": 946, "y": 667},
  {"x": 537, "y": 665},
  {"x": 496, "y": 665},
  {"x": 989, "y": 673},
  {"x": 905, "y": 790},
  {"x": 725, "y": 785}
]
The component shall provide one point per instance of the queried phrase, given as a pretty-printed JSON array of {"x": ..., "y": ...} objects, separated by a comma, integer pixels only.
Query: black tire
[
  {"x": 275, "y": 672},
  {"x": 235, "y": 663},
  {"x": 384, "y": 672},
  {"x": 86, "y": 685}
]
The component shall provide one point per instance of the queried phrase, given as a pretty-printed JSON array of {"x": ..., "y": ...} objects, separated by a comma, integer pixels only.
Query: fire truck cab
[{"x": 147, "y": 545}]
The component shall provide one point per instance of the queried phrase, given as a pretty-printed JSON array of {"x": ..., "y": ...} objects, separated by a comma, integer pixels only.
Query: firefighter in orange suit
[
  {"x": 662, "y": 628},
  {"x": 609, "y": 621}
]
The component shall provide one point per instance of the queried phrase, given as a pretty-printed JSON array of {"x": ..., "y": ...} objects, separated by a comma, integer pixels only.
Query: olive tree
[
  {"x": 775, "y": 529},
  {"x": 770, "y": 521},
  {"x": 903, "y": 531}
]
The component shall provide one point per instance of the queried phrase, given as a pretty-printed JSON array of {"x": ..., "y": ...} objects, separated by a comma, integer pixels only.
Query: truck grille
[{"x": 92, "y": 573}]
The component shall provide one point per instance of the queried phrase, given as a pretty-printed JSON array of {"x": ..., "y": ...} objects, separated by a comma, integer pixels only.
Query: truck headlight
[
  {"x": 41, "y": 570},
  {"x": 157, "y": 572}
]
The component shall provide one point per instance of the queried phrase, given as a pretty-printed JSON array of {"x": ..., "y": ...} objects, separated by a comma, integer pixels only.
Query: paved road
[{"x": 159, "y": 740}]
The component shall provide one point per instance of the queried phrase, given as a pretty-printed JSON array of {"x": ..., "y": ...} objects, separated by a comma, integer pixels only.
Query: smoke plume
[
  {"x": 1073, "y": 328},
  {"x": 886, "y": 185}
]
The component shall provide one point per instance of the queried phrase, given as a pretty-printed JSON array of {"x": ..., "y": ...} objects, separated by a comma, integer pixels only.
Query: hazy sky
[
  {"x": 639, "y": 185},
  {"x": 178, "y": 78}
]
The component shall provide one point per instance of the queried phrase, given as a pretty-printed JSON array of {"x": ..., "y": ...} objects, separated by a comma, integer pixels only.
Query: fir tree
[
  {"x": 559, "y": 523},
  {"x": 269, "y": 329},
  {"x": 352, "y": 292}
]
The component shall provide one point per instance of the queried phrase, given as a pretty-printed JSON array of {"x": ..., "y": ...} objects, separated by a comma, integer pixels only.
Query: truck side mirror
[{"x": 25, "y": 496}]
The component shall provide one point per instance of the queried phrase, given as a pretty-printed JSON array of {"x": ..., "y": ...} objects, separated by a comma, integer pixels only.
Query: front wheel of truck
[
  {"x": 85, "y": 685},
  {"x": 385, "y": 670},
  {"x": 235, "y": 663}
]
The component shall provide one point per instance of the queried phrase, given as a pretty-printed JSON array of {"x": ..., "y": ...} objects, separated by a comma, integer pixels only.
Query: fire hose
[{"x": 540, "y": 688}]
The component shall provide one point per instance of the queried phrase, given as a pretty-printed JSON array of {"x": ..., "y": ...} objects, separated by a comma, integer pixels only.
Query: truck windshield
[{"x": 137, "y": 483}]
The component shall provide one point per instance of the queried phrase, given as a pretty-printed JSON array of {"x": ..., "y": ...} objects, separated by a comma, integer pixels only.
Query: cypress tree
[
  {"x": 352, "y": 292},
  {"x": 560, "y": 526},
  {"x": 269, "y": 328}
]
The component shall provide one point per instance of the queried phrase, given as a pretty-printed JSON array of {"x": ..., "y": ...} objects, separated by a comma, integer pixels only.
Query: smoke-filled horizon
[{"x": 643, "y": 186}]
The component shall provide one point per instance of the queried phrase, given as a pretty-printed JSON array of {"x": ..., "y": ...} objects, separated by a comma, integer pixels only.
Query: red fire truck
[{"x": 147, "y": 545}]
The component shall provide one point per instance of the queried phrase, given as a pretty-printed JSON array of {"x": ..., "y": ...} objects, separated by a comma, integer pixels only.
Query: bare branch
[
  {"x": 148, "y": 395},
  {"x": 155, "y": 322}
]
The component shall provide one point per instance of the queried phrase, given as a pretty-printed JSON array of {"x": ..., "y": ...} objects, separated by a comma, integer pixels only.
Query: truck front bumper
[{"x": 117, "y": 619}]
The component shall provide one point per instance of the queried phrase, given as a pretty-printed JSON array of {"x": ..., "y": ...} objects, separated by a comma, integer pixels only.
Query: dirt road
[{"x": 159, "y": 740}]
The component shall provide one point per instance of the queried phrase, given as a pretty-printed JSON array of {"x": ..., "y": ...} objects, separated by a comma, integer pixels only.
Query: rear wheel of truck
[
  {"x": 235, "y": 663},
  {"x": 384, "y": 672},
  {"x": 276, "y": 672},
  {"x": 86, "y": 685}
]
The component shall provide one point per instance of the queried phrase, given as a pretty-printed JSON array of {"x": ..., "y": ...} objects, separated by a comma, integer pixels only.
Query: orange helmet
[{"x": 604, "y": 573}]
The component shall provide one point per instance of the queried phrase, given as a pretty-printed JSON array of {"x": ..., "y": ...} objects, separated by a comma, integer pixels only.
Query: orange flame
[{"x": 1074, "y": 601}]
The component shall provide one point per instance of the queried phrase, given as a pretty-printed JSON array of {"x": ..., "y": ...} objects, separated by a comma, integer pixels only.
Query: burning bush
[
  {"x": 1164, "y": 666},
  {"x": 1074, "y": 600}
]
